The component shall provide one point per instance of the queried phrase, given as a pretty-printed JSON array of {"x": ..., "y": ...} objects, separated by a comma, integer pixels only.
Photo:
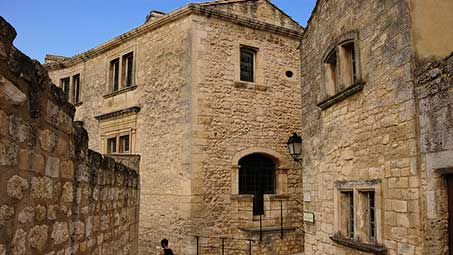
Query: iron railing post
[
  {"x": 281, "y": 219},
  {"x": 223, "y": 247},
  {"x": 197, "y": 244},
  {"x": 250, "y": 247},
  {"x": 261, "y": 227}
]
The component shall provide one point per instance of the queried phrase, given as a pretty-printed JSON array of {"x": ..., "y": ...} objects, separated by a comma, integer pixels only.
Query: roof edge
[{"x": 189, "y": 9}]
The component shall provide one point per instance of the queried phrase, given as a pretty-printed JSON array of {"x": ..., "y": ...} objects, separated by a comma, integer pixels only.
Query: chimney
[{"x": 154, "y": 15}]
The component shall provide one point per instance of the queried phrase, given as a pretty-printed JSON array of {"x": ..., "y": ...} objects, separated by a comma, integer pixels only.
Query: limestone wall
[
  {"x": 58, "y": 197},
  {"x": 369, "y": 135},
  {"x": 434, "y": 90},
  {"x": 232, "y": 119}
]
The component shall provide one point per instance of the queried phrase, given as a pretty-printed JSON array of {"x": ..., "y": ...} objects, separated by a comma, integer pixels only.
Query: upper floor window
[
  {"x": 330, "y": 66},
  {"x": 128, "y": 66},
  {"x": 76, "y": 82},
  {"x": 65, "y": 85},
  {"x": 121, "y": 73},
  {"x": 349, "y": 63},
  {"x": 247, "y": 64},
  {"x": 118, "y": 144},
  {"x": 115, "y": 74}
]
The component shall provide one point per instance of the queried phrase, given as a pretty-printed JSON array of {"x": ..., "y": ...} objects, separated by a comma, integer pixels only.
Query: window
[
  {"x": 76, "y": 82},
  {"x": 331, "y": 73},
  {"x": 124, "y": 144},
  {"x": 257, "y": 177},
  {"x": 115, "y": 74},
  {"x": 349, "y": 68},
  {"x": 65, "y": 85},
  {"x": 358, "y": 211},
  {"x": 128, "y": 65},
  {"x": 247, "y": 64},
  {"x": 111, "y": 145}
]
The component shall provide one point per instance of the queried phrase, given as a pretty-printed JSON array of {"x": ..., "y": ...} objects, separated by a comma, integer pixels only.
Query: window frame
[
  {"x": 253, "y": 52},
  {"x": 362, "y": 227},
  {"x": 114, "y": 74},
  {"x": 76, "y": 97},
  {"x": 63, "y": 86}
]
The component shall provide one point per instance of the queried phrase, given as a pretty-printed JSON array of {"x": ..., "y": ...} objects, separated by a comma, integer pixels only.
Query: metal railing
[{"x": 223, "y": 245}]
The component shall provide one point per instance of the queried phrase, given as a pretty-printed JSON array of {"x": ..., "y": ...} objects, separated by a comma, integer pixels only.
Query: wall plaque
[{"x": 309, "y": 217}]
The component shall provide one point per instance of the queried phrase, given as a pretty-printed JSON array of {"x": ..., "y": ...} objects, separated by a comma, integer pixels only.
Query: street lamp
[{"x": 295, "y": 147}]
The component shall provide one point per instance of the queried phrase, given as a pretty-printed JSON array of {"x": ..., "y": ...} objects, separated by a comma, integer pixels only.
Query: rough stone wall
[
  {"x": 230, "y": 117},
  {"x": 162, "y": 77},
  {"x": 434, "y": 90},
  {"x": 369, "y": 135},
  {"x": 58, "y": 197}
]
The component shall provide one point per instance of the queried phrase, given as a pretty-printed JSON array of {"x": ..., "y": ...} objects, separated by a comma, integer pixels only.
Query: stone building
[
  {"x": 57, "y": 196},
  {"x": 377, "y": 121},
  {"x": 208, "y": 96}
]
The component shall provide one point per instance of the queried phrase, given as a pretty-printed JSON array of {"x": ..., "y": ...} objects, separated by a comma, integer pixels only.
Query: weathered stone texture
[
  {"x": 195, "y": 117},
  {"x": 40, "y": 170},
  {"x": 369, "y": 135}
]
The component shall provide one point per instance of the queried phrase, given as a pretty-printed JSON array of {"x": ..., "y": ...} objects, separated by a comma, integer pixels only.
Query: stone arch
[{"x": 279, "y": 160}]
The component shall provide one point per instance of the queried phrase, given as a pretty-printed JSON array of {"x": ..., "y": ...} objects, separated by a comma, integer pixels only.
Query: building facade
[
  {"x": 208, "y": 96},
  {"x": 377, "y": 127}
]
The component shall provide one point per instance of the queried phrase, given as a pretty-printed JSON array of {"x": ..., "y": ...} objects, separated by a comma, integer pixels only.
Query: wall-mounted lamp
[{"x": 295, "y": 147}]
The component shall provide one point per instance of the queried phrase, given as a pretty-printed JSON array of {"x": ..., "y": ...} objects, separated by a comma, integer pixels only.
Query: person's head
[{"x": 164, "y": 243}]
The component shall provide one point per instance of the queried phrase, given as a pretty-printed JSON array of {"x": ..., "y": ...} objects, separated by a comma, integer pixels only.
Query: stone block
[
  {"x": 8, "y": 153},
  {"x": 67, "y": 170},
  {"x": 40, "y": 213},
  {"x": 37, "y": 163},
  {"x": 2, "y": 249},
  {"x": 6, "y": 214},
  {"x": 18, "y": 244},
  {"x": 16, "y": 187},
  {"x": 41, "y": 188},
  {"x": 399, "y": 206},
  {"x": 53, "y": 167},
  {"x": 47, "y": 140},
  {"x": 60, "y": 233},
  {"x": 27, "y": 215},
  {"x": 38, "y": 237},
  {"x": 67, "y": 194}
]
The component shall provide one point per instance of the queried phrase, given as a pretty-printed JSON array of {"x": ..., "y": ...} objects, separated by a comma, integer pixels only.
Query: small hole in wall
[{"x": 289, "y": 74}]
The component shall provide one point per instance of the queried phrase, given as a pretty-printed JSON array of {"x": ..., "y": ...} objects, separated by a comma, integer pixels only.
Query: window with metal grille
[
  {"x": 257, "y": 177},
  {"x": 247, "y": 64},
  {"x": 128, "y": 66},
  {"x": 372, "y": 215},
  {"x": 76, "y": 82},
  {"x": 115, "y": 74}
]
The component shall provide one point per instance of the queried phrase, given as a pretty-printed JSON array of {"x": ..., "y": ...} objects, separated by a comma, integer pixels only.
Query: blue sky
[{"x": 68, "y": 27}]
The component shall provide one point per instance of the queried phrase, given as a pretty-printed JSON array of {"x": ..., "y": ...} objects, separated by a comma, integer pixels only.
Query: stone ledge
[
  {"x": 371, "y": 248},
  {"x": 121, "y": 91},
  {"x": 358, "y": 86},
  {"x": 134, "y": 109},
  {"x": 250, "y": 85}
]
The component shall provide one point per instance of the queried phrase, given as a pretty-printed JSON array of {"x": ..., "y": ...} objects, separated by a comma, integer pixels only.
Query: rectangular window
[
  {"x": 76, "y": 82},
  {"x": 114, "y": 74},
  {"x": 349, "y": 67},
  {"x": 372, "y": 215},
  {"x": 331, "y": 73},
  {"x": 124, "y": 144},
  {"x": 247, "y": 64},
  {"x": 347, "y": 213},
  {"x": 65, "y": 83},
  {"x": 111, "y": 145},
  {"x": 128, "y": 72}
]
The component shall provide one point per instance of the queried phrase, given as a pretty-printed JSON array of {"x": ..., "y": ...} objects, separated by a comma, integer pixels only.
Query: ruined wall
[
  {"x": 58, "y": 197},
  {"x": 232, "y": 119},
  {"x": 370, "y": 135},
  {"x": 434, "y": 90}
]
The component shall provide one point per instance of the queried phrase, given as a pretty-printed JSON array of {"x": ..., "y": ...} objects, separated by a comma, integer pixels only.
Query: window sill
[
  {"x": 121, "y": 91},
  {"x": 242, "y": 197},
  {"x": 325, "y": 104},
  {"x": 365, "y": 247},
  {"x": 249, "y": 85}
]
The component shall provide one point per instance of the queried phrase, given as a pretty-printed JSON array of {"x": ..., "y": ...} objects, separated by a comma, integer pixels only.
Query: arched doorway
[{"x": 257, "y": 177}]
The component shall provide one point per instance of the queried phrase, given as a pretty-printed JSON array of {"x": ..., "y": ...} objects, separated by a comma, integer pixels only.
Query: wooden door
[{"x": 450, "y": 212}]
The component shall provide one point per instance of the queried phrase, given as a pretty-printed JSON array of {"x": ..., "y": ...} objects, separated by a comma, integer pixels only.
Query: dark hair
[{"x": 164, "y": 243}]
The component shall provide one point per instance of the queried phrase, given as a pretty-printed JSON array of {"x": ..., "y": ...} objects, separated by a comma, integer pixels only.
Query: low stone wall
[{"x": 57, "y": 196}]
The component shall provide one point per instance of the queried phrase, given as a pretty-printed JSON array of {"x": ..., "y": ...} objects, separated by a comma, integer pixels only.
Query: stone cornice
[
  {"x": 197, "y": 9},
  {"x": 131, "y": 110}
]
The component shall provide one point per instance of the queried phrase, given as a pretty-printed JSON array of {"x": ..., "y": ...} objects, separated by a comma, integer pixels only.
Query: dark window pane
[
  {"x": 247, "y": 65},
  {"x": 115, "y": 72},
  {"x": 65, "y": 86},
  {"x": 124, "y": 144},
  {"x": 129, "y": 60},
  {"x": 111, "y": 145},
  {"x": 372, "y": 210},
  {"x": 76, "y": 81}
]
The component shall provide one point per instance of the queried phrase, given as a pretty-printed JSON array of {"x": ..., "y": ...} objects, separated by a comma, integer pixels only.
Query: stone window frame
[
  {"x": 70, "y": 74},
  {"x": 361, "y": 239},
  {"x": 258, "y": 82},
  {"x": 117, "y": 135},
  {"x": 120, "y": 54},
  {"x": 341, "y": 90}
]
